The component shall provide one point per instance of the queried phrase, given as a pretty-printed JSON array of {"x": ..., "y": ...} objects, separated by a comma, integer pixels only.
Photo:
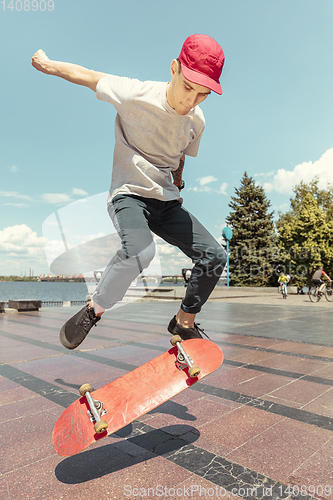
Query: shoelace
[
  {"x": 89, "y": 318},
  {"x": 200, "y": 330}
]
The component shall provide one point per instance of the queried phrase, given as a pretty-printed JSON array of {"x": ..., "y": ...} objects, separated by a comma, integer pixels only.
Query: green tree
[
  {"x": 323, "y": 197},
  {"x": 253, "y": 251},
  {"x": 305, "y": 234}
]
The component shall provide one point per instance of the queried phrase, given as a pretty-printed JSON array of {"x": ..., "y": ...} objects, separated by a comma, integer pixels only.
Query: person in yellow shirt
[{"x": 283, "y": 281}]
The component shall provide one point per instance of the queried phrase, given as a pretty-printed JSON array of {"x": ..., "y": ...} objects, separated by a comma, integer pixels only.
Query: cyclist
[
  {"x": 317, "y": 281},
  {"x": 283, "y": 281}
]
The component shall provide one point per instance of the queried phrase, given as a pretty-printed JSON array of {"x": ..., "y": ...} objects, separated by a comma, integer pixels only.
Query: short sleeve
[{"x": 115, "y": 89}]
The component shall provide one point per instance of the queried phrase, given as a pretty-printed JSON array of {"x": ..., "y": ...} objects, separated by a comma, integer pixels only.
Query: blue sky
[{"x": 274, "y": 119}]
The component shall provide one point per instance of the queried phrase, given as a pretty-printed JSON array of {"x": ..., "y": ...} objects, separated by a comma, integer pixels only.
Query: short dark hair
[{"x": 179, "y": 66}]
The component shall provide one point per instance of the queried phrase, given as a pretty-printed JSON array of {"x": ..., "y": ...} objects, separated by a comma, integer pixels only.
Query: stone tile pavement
[{"x": 261, "y": 426}]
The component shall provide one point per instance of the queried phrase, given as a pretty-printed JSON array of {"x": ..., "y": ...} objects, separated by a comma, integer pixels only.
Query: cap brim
[{"x": 200, "y": 79}]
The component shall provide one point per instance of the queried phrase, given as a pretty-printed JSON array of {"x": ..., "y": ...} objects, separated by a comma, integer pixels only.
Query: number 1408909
[{"x": 27, "y": 5}]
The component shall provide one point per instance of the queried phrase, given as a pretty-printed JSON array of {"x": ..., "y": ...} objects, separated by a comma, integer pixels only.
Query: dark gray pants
[{"x": 134, "y": 218}]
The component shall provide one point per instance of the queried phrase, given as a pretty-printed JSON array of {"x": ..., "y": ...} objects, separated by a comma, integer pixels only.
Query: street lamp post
[{"x": 227, "y": 235}]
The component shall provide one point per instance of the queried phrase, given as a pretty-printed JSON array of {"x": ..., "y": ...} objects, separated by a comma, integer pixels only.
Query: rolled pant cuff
[
  {"x": 190, "y": 310},
  {"x": 101, "y": 303}
]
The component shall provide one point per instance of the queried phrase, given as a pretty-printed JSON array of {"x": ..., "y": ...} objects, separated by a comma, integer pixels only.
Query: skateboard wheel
[
  {"x": 175, "y": 339},
  {"x": 194, "y": 371},
  {"x": 101, "y": 426},
  {"x": 85, "y": 388}
]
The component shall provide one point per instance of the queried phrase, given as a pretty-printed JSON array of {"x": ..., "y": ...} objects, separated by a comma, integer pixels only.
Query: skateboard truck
[
  {"x": 183, "y": 359},
  {"x": 96, "y": 410}
]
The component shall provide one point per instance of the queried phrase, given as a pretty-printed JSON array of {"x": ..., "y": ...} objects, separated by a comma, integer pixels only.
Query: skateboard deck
[{"x": 133, "y": 395}]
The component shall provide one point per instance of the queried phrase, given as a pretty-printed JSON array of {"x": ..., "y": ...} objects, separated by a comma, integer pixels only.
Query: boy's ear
[{"x": 174, "y": 67}]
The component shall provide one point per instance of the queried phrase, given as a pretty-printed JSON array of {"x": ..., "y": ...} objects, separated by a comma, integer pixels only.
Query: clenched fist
[{"x": 41, "y": 62}]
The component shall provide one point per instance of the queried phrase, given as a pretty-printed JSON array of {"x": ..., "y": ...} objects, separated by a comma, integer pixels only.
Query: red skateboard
[{"x": 117, "y": 404}]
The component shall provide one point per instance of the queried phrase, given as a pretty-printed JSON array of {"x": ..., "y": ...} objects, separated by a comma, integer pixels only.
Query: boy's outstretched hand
[
  {"x": 40, "y": 61},
  {"x": 68, "y": 71}
]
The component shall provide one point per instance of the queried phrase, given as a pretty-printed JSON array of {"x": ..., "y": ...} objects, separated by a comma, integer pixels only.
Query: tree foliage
[
  {"x": 253, "y": 247},
  {"x": 306, "y": 232},
  {"x": 323, "y": 197}
]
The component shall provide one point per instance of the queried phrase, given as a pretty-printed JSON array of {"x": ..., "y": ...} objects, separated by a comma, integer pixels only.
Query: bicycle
[
  {"x": 315, "y": 295},
  {"x": 283, "y": 289}
]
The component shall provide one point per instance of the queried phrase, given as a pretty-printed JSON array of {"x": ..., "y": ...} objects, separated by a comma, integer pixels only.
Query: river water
[
  {"x": 49, "y": 291},
  {"x": 42, "y": 290}
]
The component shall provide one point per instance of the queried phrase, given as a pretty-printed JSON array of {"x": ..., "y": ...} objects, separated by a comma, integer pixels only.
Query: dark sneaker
[
  {"x": 185, "y": 333},
  {"x": 77, "y": 328}
]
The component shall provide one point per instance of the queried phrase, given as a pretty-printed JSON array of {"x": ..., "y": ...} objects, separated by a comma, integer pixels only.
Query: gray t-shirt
[
  {"x": 317, "y": 274},
  {"x": 150, "y": 137}
]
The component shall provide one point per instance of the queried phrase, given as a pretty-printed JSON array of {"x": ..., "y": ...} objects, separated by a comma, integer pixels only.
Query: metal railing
[{"x": 56, "y": 303}]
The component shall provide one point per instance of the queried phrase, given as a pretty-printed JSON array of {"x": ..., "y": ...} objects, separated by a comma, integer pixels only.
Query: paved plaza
[{"x": 261, "y": 426}]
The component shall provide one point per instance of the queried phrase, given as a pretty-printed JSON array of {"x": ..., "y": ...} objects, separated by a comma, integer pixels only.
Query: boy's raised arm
[{"x": 68, "y": 71}]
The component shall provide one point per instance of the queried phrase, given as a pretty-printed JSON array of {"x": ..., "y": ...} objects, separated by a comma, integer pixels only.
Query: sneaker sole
[{"x": 64, "y": 341}]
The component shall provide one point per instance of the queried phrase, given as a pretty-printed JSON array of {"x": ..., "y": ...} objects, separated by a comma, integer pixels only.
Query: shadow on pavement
[{"x": 142, "y": 446}]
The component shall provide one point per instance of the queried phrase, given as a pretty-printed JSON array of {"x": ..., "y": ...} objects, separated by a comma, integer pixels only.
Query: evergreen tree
[{"x": 253, "y": 252}]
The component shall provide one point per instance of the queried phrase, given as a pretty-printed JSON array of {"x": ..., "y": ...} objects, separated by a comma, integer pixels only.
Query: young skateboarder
[{"x": 157, "y": 124}]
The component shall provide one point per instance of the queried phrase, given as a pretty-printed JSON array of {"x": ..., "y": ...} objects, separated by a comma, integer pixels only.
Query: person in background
[
  {"x": 283, "y": 281},
  {"x": 317, "y": 278}
]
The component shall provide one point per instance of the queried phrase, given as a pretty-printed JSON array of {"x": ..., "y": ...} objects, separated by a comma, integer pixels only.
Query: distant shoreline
[
  {"x": 87, "y": 279},
  {"x": 39, "y": 280}
]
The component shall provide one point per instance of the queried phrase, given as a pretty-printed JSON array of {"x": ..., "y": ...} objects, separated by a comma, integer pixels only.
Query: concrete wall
[{"x": 219, "y": 292}]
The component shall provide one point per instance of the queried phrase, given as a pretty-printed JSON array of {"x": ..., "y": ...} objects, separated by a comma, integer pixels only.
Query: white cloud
[
  {"x": 21, "y": 205},
  {"x": 284, "y": 180},
  {"x": 15, "y": 194},
  {"x": 20, "y": 249},
  {"x": 268, "y": 174},
  {"x": 15, "y": 237},
  {"x": 171, "y": 258},
  {"x": 56, "y": 198},
  {"x": 53, "y": 248},
  {"x": 60, "y": 198},
  {"x": 13, "y": 169},
  {"x": 203, "y": 188},
  {"x": 53, "y": 198},
  {"x": 79, "y": 192},
  {"x": 206, "y": 180},
  {"x": 223, "y": 188},
  {"x": 166, "y": 249}
]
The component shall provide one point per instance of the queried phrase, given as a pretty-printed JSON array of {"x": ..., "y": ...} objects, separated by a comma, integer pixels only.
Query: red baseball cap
[{"x": 202, "y": 60}]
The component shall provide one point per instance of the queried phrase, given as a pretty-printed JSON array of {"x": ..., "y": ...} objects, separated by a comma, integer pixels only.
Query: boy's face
[{"x": 183, "y": 95}]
